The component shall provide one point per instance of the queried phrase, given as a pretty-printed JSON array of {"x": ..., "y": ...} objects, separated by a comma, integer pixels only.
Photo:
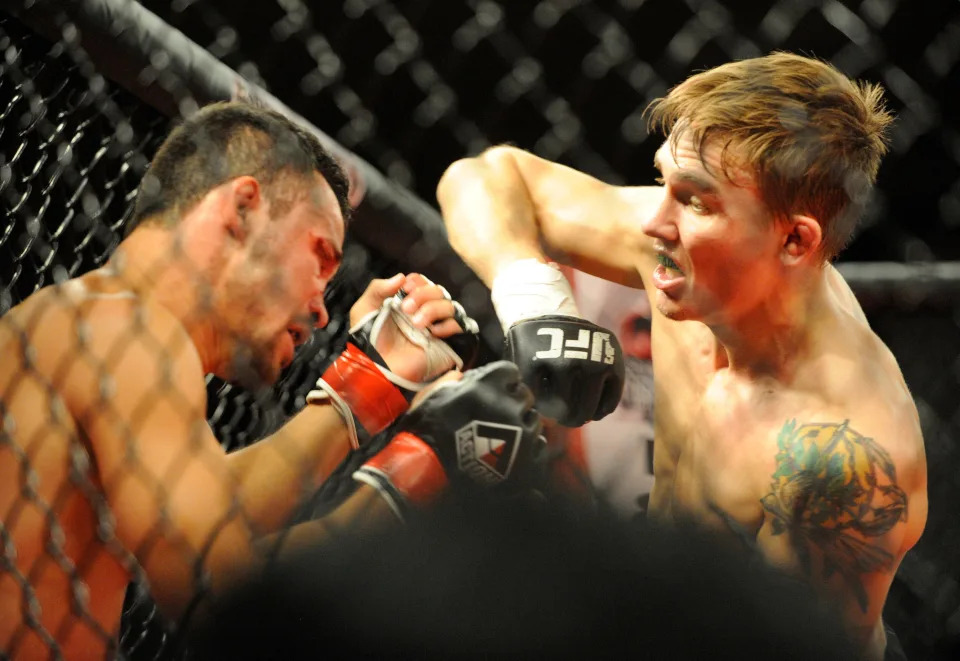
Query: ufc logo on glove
[
  {"x": 579, "y": 376},
  {"x": 595, "y": 346},
  {"x": 574, "y": 367}
]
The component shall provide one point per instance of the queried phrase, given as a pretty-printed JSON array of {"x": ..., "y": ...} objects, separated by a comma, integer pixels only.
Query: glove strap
[
  {"x": 361, "y": 393},
  {"x": 438, "y": 353},
  {"x": 406, "y": 473}
]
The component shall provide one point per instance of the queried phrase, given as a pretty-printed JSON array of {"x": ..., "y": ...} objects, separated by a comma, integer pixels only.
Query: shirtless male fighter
[
  {"x": 108, "y": 470},
  {"x": 780, "y": 416}
]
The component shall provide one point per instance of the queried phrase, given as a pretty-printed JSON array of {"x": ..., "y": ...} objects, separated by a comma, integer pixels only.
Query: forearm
[
  {"x": 278, "y": 472},
  {"x": 488, "y": 213},
  {"x": 364, "y": 510},
  {"x": 507, "y": 204}
]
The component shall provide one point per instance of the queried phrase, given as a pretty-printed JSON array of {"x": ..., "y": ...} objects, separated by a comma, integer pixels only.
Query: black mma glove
[
  {"x": 574, "y": 367},
  {"x": 478, "y": 433}
]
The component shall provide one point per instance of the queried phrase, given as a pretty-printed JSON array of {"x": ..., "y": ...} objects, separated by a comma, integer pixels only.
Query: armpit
[{"x": 835, "y": 492}]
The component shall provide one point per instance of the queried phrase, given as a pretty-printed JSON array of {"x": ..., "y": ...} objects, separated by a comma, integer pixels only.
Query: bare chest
[
  {"x": 725, "y": 459},
  {"x": 716, "y": 441}
]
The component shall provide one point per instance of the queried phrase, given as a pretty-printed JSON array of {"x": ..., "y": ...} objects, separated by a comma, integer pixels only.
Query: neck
[
  {"x": 773, "y": 337},
  {"x": 154, "y": 262}
]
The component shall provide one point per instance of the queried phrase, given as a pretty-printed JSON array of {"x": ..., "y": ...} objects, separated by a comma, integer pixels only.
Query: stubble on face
[
  {"x": 720, "y": 249},
  {"x": 268, "y": 287}
]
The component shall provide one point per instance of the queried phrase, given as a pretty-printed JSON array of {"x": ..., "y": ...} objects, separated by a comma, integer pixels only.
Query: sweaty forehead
[{"x": 709, "y": 160}]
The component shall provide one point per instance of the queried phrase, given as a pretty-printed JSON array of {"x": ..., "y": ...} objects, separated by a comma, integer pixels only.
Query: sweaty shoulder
[
  {"x": 843, "y": 295},
  {"x": 864, "y": 396},
  {"x": 92, "y": 338}
]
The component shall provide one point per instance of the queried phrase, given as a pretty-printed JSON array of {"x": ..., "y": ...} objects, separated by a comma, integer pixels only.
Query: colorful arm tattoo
[{"x": 835, "y": 490}]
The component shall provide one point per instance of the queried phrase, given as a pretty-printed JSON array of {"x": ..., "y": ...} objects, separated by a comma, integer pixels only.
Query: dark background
[
  {"x": 415, "y": 84},
  {"x": 412, "y": 85}
]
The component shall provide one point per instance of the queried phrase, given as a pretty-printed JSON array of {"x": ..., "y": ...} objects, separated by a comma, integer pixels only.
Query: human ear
[
  {"x": 245, "y": 196},
  {"x": 803, "y": 238},
  {"x": 246, "y": 193}
]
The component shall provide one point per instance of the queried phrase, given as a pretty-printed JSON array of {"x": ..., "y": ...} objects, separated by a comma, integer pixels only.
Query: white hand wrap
[
  {"x": 440, "y": 357},
  {"x": 529, "y": 288}
]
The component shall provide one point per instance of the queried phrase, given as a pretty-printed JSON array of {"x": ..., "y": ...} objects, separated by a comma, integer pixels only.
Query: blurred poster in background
[{"x": 616, "y": 453}]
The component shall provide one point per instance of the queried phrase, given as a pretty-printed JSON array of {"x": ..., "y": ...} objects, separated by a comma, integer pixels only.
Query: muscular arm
[
  {"x": 508, "y": 204},
  {"x": 841, "y": 512},
  {"x": 277, "y": 472},
  {"x": 180, "y": 507}
]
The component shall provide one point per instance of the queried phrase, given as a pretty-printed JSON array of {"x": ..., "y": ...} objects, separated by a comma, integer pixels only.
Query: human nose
[
  {"x": 662, "y": 223},
  {"x": 318, "y": 311}
]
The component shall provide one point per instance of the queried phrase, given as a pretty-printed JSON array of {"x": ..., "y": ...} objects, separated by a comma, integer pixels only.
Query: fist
[{"x": 428, "y": 311}]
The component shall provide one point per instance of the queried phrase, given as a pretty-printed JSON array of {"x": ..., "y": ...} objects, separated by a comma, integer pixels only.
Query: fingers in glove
[
  {"x": 417, "y": 298},
  {"x": 414, "y": 281},
  {"x": 446, "y": 328},
  {"x": 433, "y": 312},
  {"x": 518, "y": 389}
]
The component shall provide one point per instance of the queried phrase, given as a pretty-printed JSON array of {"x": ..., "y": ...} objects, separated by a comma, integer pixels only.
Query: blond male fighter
[{"x": 781, "y": 417}]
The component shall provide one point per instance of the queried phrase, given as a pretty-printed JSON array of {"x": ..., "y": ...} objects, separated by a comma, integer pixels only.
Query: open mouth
[
  {"x": 666, "y": 262},
  {"x": 298, "y": 334}
]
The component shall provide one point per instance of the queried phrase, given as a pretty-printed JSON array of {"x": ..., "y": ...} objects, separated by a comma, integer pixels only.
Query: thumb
[
  {"x": 380, "y": 289},
  {"x": 374, "y": 295}
]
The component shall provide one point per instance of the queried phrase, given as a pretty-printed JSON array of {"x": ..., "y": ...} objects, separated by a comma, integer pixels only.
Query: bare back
[{"x": 48, "y": 478}]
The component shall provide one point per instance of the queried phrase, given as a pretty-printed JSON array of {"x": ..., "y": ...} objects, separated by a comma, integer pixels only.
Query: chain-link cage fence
[{"x": 410, "y": 87}]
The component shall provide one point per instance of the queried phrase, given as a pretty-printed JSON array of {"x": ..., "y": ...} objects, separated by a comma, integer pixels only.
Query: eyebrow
[
  {"x": 332, "y": 254},
  {"x": 334, "y": 251},
  {"x": 696, "y": 180}
]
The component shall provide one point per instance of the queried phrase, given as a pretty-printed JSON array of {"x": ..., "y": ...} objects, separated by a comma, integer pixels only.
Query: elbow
[
  {"x": 453, "y": 178},
  {"x": 493, "y": 162}
]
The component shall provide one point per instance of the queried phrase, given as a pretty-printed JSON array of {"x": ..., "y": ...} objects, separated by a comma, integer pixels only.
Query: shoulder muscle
[{"x": 838, "y": 497}]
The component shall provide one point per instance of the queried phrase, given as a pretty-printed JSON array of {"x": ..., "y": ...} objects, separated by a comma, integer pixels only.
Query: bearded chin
[{"x": 251, "y": 370}]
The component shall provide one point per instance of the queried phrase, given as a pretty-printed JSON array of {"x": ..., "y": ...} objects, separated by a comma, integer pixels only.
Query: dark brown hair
[{"x": 226, "y": 140}]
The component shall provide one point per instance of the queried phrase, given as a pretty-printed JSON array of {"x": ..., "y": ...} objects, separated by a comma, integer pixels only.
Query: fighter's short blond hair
[{"x": 812, "y": 137}]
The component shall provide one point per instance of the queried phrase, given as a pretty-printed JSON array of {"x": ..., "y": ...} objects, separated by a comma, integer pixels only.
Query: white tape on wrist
[
  {"x": 325, "y": 393},
  {"x": 440, "y": 357},
  {"x": 529, "y": 288}
]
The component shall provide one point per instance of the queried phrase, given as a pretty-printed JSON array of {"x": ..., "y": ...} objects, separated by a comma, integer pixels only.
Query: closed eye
[{"x": 329, "y": 257}]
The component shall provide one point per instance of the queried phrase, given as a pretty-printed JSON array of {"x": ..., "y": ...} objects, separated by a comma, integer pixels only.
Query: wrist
[
  {"x": 529, "y": 288},
  {"x": 366, "y": 399},
  {"x": 407, "y": 473}
]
